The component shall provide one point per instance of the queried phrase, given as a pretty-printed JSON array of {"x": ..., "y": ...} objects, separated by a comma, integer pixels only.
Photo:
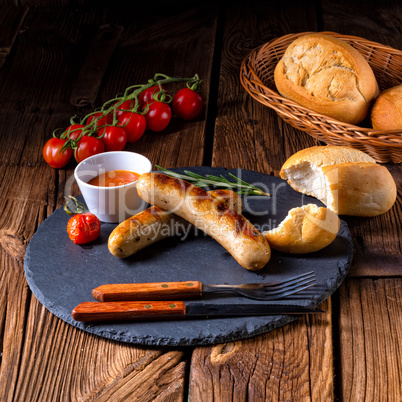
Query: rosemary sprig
[{"x": 239, "y": 186}]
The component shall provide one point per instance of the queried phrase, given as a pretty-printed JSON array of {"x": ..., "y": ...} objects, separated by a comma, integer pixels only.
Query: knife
[{"x": 154, "y": 310}]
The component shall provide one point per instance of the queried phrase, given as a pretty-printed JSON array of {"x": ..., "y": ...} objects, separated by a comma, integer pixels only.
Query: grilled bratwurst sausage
[
  {"x": 155, "y": 224},
  {"x": 227, "y": 226}
]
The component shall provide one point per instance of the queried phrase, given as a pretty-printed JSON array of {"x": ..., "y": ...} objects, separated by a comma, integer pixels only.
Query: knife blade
[{"x": 155, "y": 310}]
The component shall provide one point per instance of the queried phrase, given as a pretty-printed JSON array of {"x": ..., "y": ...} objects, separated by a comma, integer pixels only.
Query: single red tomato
[
  {"x": 187, "y": 104},
  {"x": 158, "y": 116},
  {"x": 88, "y": 146},
  {"x": 134, "y": 124},
  {"x": 148, "y": 95},
  {"x": 53, "y": 156},
  {"x": 114, "y": 138},
  {"x": 101, "y": 121},
  {"x": 124, "y": 107},
  {"x": 74, "y": 131},
  {"x": 83, "y": 228}
]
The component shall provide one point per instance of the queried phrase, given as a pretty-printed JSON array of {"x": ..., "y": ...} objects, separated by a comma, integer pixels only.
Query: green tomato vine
[{"x": 110, "y": 107}]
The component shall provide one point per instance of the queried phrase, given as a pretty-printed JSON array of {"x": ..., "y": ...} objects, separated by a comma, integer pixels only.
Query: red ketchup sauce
[{"x": 114, "y": 178}]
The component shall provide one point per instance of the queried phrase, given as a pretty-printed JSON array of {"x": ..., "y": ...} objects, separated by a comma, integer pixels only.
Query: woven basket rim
[{"x": 370, "y": 132}]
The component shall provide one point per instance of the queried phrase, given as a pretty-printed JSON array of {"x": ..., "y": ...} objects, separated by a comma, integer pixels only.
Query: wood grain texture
[
  {"x": 11, "y": 19},
  {"x": 257, "y": 138},
  {"x": 289, "y": 363},
  {"x": 377, "y": 240},
  {"x": 42, "y": 357},
  {"x": 294, "y": 362},
  {"x": 61, "y": 363},
  {"x": 147, "y": 291},
  {"x": 181, "y": 45},
  {"x": 87, "y": 84},
  {"x": 370, "y": 326}
]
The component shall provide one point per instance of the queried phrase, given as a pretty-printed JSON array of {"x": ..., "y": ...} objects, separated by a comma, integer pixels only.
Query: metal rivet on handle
[
  {"x": 189, "y": 284},
  {"x": 165, "y": 285},
  {"x": 172, "y": 305},
  {"x": 147, "y": 306}
]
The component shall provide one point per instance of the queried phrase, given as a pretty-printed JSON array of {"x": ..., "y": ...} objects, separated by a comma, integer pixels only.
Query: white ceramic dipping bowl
[{"x": 111, "y": 204}]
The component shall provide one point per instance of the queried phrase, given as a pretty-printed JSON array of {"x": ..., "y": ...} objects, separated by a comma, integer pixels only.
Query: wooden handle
[
  {"x": 119, "y": 311},
  {"x": 147, "y": 291}
]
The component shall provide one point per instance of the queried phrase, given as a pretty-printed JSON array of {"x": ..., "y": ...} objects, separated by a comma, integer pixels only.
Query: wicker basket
[{"x": 257, "y": 77}]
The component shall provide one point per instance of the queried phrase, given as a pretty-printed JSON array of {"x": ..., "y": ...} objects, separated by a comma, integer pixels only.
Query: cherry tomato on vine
[
  {"x": 114, "y": 138},
  {"x": 158, "y": 116},
  {"x": 126, "y": 105},
  {"x": 53, "y": 156},
  {"x": 74, "y": 131},
  {"x": 134, "y": 124},
  {"x": 88, "y": 146},
  {"x": 148, "y": 95},
  {"x": 103, "y": 121},
  {"x": 83, "y": 228},
  {"x": 187, "y": 104}
]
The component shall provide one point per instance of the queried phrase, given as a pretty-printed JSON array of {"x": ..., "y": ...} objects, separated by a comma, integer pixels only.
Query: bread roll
[
  {"x": 305, "y": 229},
  {"x": 327, "y": 75},
  {"x": 346, "y": 180},
  {"x": 386, "y": 113}
]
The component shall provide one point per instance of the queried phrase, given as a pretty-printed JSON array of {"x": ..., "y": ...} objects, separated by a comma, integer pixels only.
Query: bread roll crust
[
  {"x": 325, "y": 155},
  {"x": 360, "y": 188},
  {"x": 386, "y": 113},
  {"x": 346, "y": 180},
  {"x": 327, "y": 75},
  {"x": 305, "y": 229}
]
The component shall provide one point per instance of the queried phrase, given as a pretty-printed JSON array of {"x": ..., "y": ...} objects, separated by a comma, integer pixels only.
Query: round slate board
[{"x": 62, "y": 274}]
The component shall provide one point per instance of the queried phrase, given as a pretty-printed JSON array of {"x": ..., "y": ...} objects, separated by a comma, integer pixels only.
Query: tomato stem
[
  {"x": 73, "y": 206},
  {"x": 111, "y": 106}
]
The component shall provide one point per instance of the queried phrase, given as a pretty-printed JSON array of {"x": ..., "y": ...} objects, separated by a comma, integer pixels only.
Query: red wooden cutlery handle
[
  {"x": 147, "y": 291},
  {"x": 133, "y": 310}
]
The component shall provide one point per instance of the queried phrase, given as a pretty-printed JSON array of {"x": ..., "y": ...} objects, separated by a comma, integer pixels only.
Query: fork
[{"x": 194, "y": 289}]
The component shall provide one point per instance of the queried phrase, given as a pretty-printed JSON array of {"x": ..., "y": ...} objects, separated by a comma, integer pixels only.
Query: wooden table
[{"x": 50, "y": 59}]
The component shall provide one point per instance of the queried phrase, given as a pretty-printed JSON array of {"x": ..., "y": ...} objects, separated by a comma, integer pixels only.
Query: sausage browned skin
[
  {"x": 154, "y": 224},
  {"x": 227, "y": 226}
]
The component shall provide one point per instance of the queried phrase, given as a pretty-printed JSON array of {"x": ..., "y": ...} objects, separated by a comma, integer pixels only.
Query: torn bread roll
[
  {"x": 228, "y": 227},
  {"x": 305, "y": 229},
  {"x": 346, "y": 180},
  {"x": 155, "y": 224},
  {"x": 327, "y": 75}
]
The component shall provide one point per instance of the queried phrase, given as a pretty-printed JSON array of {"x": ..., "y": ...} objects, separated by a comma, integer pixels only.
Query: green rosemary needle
[{"x": 239, "y": 186}]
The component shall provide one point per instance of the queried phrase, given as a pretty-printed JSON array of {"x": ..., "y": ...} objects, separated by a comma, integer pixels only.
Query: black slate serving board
[{"x": 62, "y": 274}]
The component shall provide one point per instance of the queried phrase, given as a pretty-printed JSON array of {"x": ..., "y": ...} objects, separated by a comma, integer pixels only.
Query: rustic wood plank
[
  {"x": 257, "y": 138},
  {"x": 378, "y": 251},
  {"x": 289, "y": 363},
  {"x": 370, "y": 325},
  {"x": 373, "y": 20},
  {"x": 293, "y": 362},
  {"x": 15, "y": 297},
  {"x": 89, "y": 80},
  {"x": 11, "y": 19},
  {"x": 39, "y": 350},
  {"x": 58, "y": 366},
  {"x": 186, "y": 50}
]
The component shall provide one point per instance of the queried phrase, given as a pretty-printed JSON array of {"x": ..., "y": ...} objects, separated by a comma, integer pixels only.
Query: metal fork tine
[
  {"x": 294, "y": 280},
  {"x": 292, "y": 292},
  {"x": 295, "y": 290},
  {"x": 268, "y": 291},
  {"x": 294, "y": 287}
]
